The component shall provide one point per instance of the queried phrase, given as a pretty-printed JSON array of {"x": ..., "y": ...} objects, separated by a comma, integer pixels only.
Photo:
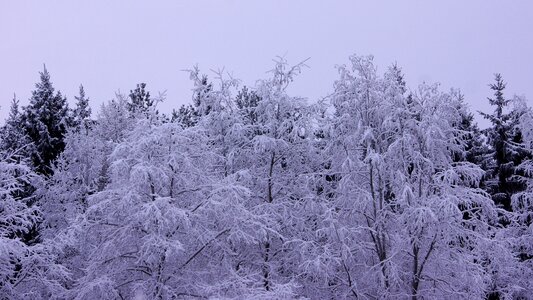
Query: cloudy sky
[{"x": 112, "y": 45}]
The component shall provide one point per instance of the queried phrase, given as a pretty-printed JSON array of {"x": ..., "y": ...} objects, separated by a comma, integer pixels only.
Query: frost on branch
[{"x": 377, "y": 191}]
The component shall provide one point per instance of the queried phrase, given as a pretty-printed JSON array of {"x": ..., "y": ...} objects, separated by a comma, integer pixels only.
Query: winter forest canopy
[{"x": 382, "y": 190}]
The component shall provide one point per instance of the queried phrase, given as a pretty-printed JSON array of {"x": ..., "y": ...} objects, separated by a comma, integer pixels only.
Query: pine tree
[
  {"x": 140, "y": 101},
  {"x": 186, "y": 116},
  {"x": 45, "y": 123},
  {"x": 503, "y": 137}
]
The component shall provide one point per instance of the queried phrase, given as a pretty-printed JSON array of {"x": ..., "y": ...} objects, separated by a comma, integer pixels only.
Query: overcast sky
[{"x": 112, "y": 45}]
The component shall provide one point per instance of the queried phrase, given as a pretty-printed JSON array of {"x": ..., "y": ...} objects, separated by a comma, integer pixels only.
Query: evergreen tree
[
  {"x": 140, "y": 101},
  {"x": 186, "y": 116},
  {"x": 14, "y": 112},
  {"x": 247, "y": 102},
  {"x": 13, "y": 137},
  {"x": 201, "y": 99},
  {"x": 503, "y": 137},
  {"x": 475, "y": 149},
  {"x": 189, "y": 115},
  {"x": 82, "y": 112},
  {"x": 15, "y": 143},
  {"x": 28, "y": 270},
  {"x": 268, "y": 197},
  {"x": 395, "y": 74},
  {"x": 44, "y": 121}
]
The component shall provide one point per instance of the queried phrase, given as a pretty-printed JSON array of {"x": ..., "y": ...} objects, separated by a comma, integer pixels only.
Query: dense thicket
[{"x": 379, "y": 191}]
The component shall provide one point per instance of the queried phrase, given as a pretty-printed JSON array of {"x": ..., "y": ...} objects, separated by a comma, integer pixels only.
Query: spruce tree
[
  {"x": 476, "y": 151},
  {"x": 13, "y": 138},
  {"x": 395, "y": 73},
  {"x": 503, "y": 137},
  {"x": 82, "y": 112},
  {"x": 44, "y": 121},
  {"x": 201, "y": 101}
]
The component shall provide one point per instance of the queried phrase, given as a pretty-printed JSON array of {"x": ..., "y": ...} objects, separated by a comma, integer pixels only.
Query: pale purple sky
[{"x": 112, "y": 45}]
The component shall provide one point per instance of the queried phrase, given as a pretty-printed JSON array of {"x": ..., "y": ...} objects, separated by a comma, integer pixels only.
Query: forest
[{"x": 381, "y": 190}]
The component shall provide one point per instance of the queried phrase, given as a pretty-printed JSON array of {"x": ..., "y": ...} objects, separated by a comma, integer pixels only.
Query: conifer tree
[
  {"x": 476, "y": 151},
  {"x": 375, "y": 192},
  {"x": 82, "y": 112},
  {"x": 28, "y": 270},
  {"x": 186, "y": 116},
  {"x": 13, "y": 137},
  {"x": 189, "y": 115},
  {"x": 395, "y": 74},
  {"x": 247, "y": 102},
  {"x": 45, "y": 123},
  {"x": 202, "y": 95},
  {"x": 15, "y": 143},
  {"x": 140, "y": 100},
  {"x": 503, "y": 137}
]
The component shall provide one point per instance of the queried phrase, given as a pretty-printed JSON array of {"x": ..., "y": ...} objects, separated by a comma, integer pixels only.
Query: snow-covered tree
[
  {"x": 83, "y": 167},
  {"x": 475, "y": 148},
  {"x": 503, "y": 137},
  {"x": 397, "y": 222},
  {"x": 277, "y": 150},
  {"x": 113, "y": 119},
  {"x": 247, "y": 102},
  {"x": 139, "y": 99},
  {"x": 164, "y": 227},
  {"x": 515, "y": 273},
  {"x": 13, "y": 137},
  {"x": 80, "y": 171},
  {"x": 28, "y": 270},
  {"x": 189, "y": 115},
  {"x": 186, "y": 116},
  {"x": 201, "y": 93},
  {"x": 45, "y": 123},
  {"x": 374, "y": 192},
  {"x": 82, "y": 113}
]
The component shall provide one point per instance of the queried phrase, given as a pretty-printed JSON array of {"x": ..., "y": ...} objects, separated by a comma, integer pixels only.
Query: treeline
[{"x": 378, "y": 191}]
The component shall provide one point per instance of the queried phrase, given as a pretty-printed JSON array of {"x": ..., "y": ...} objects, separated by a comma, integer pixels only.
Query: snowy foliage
[
  {"x": 401, "y": 200},
  {"x": 45, "y": 122},
  {"x": 28, "y": 270},
  {"x": 377, "y": 191}
]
